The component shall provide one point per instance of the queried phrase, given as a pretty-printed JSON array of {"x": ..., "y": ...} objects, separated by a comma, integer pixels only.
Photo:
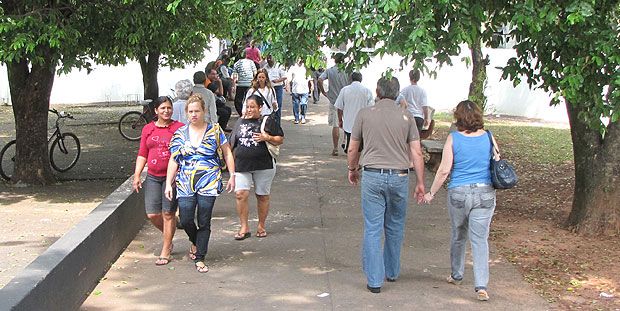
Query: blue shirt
[{"x": 472, "y": 160}]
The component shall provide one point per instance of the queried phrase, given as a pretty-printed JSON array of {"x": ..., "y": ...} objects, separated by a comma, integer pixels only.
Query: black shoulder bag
[{"x": 503, "y": 174}]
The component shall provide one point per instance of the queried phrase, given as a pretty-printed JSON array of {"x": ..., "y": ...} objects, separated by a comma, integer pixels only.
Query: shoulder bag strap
[
  {"x": 494, "y": 149},
  {"x": 264, "y": 99}
]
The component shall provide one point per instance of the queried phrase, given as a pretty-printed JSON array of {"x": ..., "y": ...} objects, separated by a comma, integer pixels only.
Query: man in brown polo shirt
[{"x": 391, "y": 147}]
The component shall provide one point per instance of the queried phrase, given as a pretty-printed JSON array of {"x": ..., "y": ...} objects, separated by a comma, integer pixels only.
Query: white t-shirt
[
  {"x": 275, "y": 73},
  {"x": 416, "y": 99},
  {"x": 351, "y": 99},
  {"x": 298, "y": 77},
  {"x": 269, "y": 94}
]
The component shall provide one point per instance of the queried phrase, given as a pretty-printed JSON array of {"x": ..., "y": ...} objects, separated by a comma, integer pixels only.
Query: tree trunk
[
  {"x": 478, "y": 75},
  {"x": 150, "y": 68},
  {"x": 596, "y": 207},
  {"x": 30, "y": 94}
]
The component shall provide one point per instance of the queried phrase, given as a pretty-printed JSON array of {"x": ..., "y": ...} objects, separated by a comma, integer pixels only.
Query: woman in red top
[{"x": 154, "y": 151}]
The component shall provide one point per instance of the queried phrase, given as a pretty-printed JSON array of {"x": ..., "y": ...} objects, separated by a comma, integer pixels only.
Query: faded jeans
[
  {"x": 384, "y": 205},
  {"x": 300, "y": 102},
  {"x": 279, "y": 96},
  {"x": 471, "y": 209},
  {"x": 200, "y": 235}
]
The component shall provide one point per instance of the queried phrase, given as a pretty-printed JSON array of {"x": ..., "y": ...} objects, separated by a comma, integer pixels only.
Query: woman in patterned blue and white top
[{"x": 195, "y": 163}]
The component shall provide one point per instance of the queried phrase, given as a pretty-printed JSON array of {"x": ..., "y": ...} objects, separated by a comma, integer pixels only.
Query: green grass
[{"x": 520, "y": 141}]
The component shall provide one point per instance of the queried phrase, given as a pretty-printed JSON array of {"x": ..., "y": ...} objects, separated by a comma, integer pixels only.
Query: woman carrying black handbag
[{"x": 471, "y": 196}]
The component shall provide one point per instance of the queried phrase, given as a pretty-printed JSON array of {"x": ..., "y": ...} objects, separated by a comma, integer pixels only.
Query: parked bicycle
[
  {"x": 64, "y": 150},
  {"x": 130, "y": 125}
]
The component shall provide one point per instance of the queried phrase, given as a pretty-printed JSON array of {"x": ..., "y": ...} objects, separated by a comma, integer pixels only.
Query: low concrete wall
[{"x": 62, "y": 277}]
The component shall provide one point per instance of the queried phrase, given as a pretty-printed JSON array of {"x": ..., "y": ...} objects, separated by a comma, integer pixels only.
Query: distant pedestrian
[
  {"x": 337, "y": 80},
  {"x": 471, "y": 196},
  {"x": 299, "y": 91},
  {"x": 391, "y": 144},
  {"x": 200, "y": 87},
  {"x": 316, "y": 92},
  {"x": 244, "y": 71},
  {"x": 154, "y": 151},
  {"x": 277, "y": 75},
  {"x": 350, "y": 101},
  {"x": 183, "y": 90},
  {"x": 261, "y": 86},
  {"x": 413, "y": 97},
  {"x": 197, "y": 169}
]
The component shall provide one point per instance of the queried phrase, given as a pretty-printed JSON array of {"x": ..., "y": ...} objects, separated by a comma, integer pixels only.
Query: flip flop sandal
[
  {"x": 261, "y": 234},
  {"x": 242, "y": 236},
  {"x": 191, "y": 255},
  {"x": 201, "y": 267},
  {"x": 162, "y": 261}
]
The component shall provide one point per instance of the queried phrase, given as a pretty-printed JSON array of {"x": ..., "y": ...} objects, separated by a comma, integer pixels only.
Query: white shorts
[
  {"x": 262, "y": 180},
  {"x": 332, "y": 117}
]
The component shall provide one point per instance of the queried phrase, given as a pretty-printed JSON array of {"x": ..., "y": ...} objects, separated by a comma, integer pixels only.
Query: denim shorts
[
  {"x": 262, "y": 180},
  {"x": 155, "y": 201}
]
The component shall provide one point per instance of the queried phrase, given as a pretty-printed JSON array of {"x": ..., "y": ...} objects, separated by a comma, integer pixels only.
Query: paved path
[{"x": 311, "y": 258}]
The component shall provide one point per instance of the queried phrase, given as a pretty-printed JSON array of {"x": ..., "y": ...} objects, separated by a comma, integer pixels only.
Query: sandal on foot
[
  {"x": 335, "y": 152},
  {"x": 191, "y": 255},
  {"x": 201, "y": 267},
  {"x": 261, "y": 234},
  {"x": 242, "y": 236},
  {"x": 162, "y": 261}
]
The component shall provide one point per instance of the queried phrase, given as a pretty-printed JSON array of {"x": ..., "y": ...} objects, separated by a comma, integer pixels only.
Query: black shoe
[
  {"x": 391, "y": 280},
  {"x": 374, "y": 290}
]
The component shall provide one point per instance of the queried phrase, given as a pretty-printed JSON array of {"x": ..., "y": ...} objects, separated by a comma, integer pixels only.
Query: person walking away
[
  {"x": 183, "y": 90},
  {"x": 244, "y": 71},
  {"x": 337, "y": 80},
  {"x": 154, "y": 151},
  {"x": 471, "y": 196},
  {"x": 253, "y": 53},
  {"x": 261, "y": 86},
  {"x": 391, "y": 144},
  {"x": 413, "y": 97},
  {"x": 316, "y": 92},
  {"x": 200, "y": 87},
  {"x": 223, "y": 111},
  {"x": 350, "y": 101},
  {"x": 278, "y": 78},
  {"x": 253, "y": 163},
  {"x": 299, "y": 91},
  {"x": 197, "y": 169}
]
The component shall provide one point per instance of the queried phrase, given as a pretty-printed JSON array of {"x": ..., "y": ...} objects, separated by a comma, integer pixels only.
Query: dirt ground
[{"x": 572, "y": 272}]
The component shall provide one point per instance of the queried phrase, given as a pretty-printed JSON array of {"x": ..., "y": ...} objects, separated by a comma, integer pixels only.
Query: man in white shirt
[
  {"x": 413, "y": 97},
  {"x": 278, "y": 78},
  {"x": 350, "y": 101},
  {"x": 299, "y": 91}
]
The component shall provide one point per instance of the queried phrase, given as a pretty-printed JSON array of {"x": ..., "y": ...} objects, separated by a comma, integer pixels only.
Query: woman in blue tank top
[{"x": 471, "y": 196}]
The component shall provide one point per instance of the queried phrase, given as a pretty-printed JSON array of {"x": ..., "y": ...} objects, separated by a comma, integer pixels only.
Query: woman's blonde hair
[
  {"x": 195, "y": 98},
  {"x": 468, "y": 117}
]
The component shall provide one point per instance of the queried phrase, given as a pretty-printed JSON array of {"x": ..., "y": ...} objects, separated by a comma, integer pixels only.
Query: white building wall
[{"x": 124, "y": 83}]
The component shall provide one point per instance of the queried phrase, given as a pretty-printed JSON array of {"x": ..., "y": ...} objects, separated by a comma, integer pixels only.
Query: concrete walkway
[{"x": 311, "y": 258}]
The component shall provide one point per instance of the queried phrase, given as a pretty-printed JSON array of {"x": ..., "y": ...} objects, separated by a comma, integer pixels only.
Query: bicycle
[
  {"x": 131, "y": 123},
  {"x": 64, "y": 150}
]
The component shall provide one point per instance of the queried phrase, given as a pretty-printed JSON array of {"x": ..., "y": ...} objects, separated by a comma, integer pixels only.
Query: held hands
[
  {"x": 354, "y": 177},
  {"x": 428, "y": 197},
  {"x": 419, "y": 193}
]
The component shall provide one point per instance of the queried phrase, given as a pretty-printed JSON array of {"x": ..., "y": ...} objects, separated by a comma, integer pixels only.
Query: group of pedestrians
[{"x": 186, "y": 150}]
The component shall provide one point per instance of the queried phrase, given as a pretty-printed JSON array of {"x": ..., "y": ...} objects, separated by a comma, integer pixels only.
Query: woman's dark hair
[
  {"x": 160, "y": 100},
  {"x": 468, "y": 117},
  {"x": 257, "y": 99}
]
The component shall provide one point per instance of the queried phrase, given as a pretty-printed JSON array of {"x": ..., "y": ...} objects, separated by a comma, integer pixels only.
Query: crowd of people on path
[{"x": 189, "y": 145}]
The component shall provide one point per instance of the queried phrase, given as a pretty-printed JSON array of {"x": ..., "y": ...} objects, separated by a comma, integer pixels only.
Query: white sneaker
[
  {"x": 450, "y": 280},
  {"x": 303, "y": 120},
  {"x": 482, "y": 295}
]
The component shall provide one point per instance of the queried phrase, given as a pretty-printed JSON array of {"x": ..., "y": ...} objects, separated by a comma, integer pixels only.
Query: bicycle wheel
[
  {"x": 7, "y": 160},
  {"x": 130, "y": 125},
  {"x": 65, "y": 152}
]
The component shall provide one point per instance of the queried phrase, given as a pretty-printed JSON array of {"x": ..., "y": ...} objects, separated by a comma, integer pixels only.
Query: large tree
[
  {"x": 572, "y": 48},
  {"x": 36, "y": 38}
]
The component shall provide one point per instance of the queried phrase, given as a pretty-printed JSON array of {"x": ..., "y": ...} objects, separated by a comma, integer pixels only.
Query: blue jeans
[
  {"x": 384, "y": 205},
  {"x": 471, "y": 209},
  {"x": 200, "y": 235},
  {"x": 279, "y": 94},
  {"x": 300, "y": 100}
]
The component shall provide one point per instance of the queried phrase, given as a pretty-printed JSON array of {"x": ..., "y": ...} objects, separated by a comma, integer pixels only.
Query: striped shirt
[{"x": 245, "y": 70}]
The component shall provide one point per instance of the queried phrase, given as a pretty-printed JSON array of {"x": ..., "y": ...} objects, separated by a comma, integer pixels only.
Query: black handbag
[{"x": 503, "y": 174}]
